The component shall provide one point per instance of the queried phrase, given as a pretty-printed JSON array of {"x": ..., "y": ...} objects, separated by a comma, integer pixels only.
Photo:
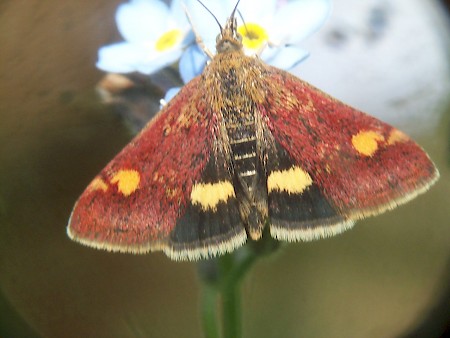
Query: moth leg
[{"x": 198, "y": 38}]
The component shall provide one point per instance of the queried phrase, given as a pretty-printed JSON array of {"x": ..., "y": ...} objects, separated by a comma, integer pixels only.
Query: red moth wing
[
  {"x": 134, "y": 204},
  {"x": 361, "y": 164},
  {"x": 243, "y": 146}
]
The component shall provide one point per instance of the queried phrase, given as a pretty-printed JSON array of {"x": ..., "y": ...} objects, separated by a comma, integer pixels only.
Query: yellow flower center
[
  {"x": 253, "y": 36},
  {"x": 168, "y": 40}
]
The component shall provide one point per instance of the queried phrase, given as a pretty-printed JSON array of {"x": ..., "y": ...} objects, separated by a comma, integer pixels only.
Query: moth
[{"x": 244, "y": 147}]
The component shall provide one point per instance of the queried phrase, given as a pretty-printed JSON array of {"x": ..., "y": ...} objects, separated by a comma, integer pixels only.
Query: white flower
[
  {"x": 272, "y": 28},
  {"x": 154, "y": 34}
]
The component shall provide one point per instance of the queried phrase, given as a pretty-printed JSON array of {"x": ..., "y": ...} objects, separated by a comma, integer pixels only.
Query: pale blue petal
[
  {"x": 120, "y": 57},
  {"x": 127, "y": 57},
  {"x": 221, "y": 9},
  {"x": 204, "y": 23},
  {"x": 257, "y": 11},
  {"x": 179, "y": 15},
  {"x": 287, "y": 57},
  {"x": 171, "y": 93},
  {"x": 153, "y": 63},
  {"x": 269, "y": 52},
  {"x": 189, "y": 38},
  {"x": 192, "y": 63},
  {"x": 142, "y": 20},
  {"x": 299, "y": 19}
]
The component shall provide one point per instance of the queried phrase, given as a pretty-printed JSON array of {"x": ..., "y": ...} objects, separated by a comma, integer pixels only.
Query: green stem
[
  {"x": 233, "y": 269},
  {"x": 224, "y": 275},
  {"x": 209, "y": 309},
  {"x": 231, "y": 311}
]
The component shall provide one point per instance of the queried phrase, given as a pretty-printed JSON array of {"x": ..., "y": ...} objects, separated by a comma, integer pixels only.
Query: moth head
[{"x": 229, "y": 39}]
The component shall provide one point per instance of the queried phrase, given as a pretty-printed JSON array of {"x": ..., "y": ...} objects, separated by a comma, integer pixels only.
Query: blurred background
[{"x": 388, "y": 277}]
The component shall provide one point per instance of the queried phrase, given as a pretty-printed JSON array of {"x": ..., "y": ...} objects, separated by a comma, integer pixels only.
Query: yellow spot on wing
[
  {"x": 210, "y": 194},
  {"x": 127, "y": 181},
  {"x": 366, "y": 142},
  {"x": 397, "y": 136},
  {"x": 293, "y": 181},
  {"x": 98, "y": 184}
]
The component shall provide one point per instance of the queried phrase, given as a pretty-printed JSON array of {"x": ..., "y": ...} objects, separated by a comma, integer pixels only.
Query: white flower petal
[
  {"x": 204, "y": 23},
  {"x": 299, "y": 19},
  {"x": 285, "y": 58},
  {"x": 256, "y": 11},
  {"x": 178, "y": 15},
  {"x": 142, "y": 20},
  {"x": 154, "y": 62},
  {"x": 120, "y": 57},
  {"x": 128, "y": 57}
]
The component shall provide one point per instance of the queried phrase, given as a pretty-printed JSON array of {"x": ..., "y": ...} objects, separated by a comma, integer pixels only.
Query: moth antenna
[
  {"x": 243, "y": 21},
  {"x": 198, "y": 38},
  {"x": 234, "y": 9},
  {"x": 212, "y": 14}
]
